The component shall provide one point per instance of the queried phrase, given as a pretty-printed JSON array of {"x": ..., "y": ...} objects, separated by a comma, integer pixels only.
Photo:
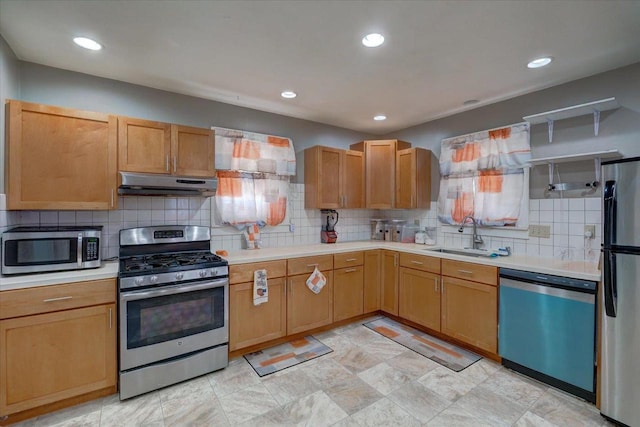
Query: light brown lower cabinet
[
  {"x": 470, "y": 312},
  {"x": 305, "y": 309},
  {"x": 253, "y": 324},
  {"x": 389, "y": 282},
  {"x": 54, "y": 356},
  {"x": 372, "y": 267},
  {"x": 348, "y": 292},
  {"x": 419, "y": 297}
]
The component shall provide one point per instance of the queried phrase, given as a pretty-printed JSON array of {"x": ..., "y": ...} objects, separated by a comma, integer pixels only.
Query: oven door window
[{"x": 169, "y": 317}]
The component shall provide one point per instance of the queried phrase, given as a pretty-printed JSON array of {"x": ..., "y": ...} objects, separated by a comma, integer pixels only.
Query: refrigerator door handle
[
  {"x": 610, "y": 205},
  {"x": 610, "y": 288}
]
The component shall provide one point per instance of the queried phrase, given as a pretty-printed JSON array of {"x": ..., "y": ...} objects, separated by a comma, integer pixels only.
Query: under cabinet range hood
[{"x": 144, "y": 184}]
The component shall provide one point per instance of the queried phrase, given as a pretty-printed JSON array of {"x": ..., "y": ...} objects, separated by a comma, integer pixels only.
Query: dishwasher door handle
[{"x": 589, "y": 298}]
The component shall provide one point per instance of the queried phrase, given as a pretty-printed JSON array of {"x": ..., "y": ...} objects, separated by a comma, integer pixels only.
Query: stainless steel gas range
[{"x": 173, "y": 307}]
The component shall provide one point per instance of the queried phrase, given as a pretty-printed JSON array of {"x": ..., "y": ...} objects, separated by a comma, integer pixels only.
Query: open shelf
[
  {"x": 594, "y": 107},
  {"x": 573, "y": 111},
  {"x": 607, "y": 154}
]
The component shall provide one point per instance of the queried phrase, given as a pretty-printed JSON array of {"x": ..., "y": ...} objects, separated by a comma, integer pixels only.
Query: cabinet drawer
[
  {"x": 307, "y": 264},
  {"x": 348, "y": 259},
  {"x": 420, "y": 262},
  {"x": 44, "y": 299},
  {"x": 244, "y": 272},
  {"x": 470, "y": 271}
]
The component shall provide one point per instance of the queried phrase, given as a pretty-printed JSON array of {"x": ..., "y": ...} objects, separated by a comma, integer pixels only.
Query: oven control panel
[{"x": 221, "y": 272}]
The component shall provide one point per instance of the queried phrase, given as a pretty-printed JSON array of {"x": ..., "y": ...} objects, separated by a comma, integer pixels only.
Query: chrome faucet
[{"x": 476, "y": 240}]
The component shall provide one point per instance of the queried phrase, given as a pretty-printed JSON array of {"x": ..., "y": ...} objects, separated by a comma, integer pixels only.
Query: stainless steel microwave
[{"x": 42, "y": 249}]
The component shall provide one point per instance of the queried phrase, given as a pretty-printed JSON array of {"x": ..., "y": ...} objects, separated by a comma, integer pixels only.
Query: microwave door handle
[
  {"x": 136, "y": 295},
  {"x": 79, "y": 252}
]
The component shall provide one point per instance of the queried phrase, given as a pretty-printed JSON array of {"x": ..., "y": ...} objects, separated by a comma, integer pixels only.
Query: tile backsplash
[{"x": 566, "y": 219}]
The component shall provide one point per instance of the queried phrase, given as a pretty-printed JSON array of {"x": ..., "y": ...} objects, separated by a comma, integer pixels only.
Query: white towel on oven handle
[{"x": 260, "y": 287}]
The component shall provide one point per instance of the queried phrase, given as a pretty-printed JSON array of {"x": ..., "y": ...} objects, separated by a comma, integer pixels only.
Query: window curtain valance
[
  {"x": 253, "y": 173},
  {"x": 482, "y": 174}
]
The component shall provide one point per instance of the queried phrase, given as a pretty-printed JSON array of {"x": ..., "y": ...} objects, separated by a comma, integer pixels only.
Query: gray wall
[
  {"x": 9, "y": 88},
  {"x": 618, "y": 128},
  {"x": 53, "y": 86}
]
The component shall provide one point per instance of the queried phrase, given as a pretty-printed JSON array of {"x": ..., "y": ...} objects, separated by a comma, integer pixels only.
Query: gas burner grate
[{"x": 148, "y": 263}]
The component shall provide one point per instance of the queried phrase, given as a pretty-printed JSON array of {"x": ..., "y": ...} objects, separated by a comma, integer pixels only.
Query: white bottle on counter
[{"x": 420, "y": 237}]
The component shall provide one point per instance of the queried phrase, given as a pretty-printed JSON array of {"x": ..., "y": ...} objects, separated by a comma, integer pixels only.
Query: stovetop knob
[
  {"x": 138, "y": 280},
  {"x": 153, "y": 279},
  {"x": 179, "y": 276},
  {"x": 203, "y": 273}
]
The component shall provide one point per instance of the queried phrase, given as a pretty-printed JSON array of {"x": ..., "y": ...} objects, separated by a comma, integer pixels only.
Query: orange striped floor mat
[
  {"x": 274, "y": 359},
  {"x": 449, "y": 355}
]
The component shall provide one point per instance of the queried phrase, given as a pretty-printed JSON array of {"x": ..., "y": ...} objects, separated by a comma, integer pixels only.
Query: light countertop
[
  {"x": 574, "y": 269},
  {"x": 108, "y": 270}
]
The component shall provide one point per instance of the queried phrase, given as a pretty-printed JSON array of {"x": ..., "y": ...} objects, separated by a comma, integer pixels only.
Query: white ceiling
[{"x": 437, "y": 54}]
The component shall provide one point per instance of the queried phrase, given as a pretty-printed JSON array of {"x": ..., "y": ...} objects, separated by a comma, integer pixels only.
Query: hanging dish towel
[
  {"x": 316, "y": 281},
  {"x": 260, "y": 288}
]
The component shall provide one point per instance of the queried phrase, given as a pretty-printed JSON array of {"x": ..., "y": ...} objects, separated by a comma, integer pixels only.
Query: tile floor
[{"x": 367, "y": 380}]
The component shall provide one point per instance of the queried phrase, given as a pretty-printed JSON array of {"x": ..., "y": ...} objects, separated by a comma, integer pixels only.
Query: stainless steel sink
[{"x": 465, "y": 252}]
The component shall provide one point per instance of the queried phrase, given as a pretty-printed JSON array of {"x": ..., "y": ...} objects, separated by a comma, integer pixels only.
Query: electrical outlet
[
  {"x": 292, "y": 227},
  {"x": 543, "y": 231},
  {"x": 590, "y": 231}
]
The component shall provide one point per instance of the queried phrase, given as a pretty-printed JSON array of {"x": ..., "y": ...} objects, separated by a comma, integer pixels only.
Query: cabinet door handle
[
  {"x": 435, "y": 282},
  {"x": 416, "y": 262},
  {"x": 350, "y": 270},
  {"x": 291, "y": 287},
  {"x": 111, "y": 197},
  {"x": 175, "y": 164},
  {"x": 344, "y": 201},
  {"x": 110, "y": 318},
  {"x": 465, "y": 271},
  {"x": 395, "y": 260},
  {"x": 351, "y": 259},
  {"x": 56, "y": 299}
]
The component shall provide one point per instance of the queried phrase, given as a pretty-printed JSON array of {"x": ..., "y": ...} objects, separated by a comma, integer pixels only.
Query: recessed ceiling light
[
  {"x": 87, "y": 43},
  {"x": 289, "y": 94},
  {"x": 380, "y": 117},
  {"x": 470, "y": 102},
  {"x": 373, "y": 40},
  {"x": 540, "y": 62}
]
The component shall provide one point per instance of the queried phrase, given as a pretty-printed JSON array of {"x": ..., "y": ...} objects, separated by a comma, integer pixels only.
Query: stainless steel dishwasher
[{"x": 548, "y": 329}]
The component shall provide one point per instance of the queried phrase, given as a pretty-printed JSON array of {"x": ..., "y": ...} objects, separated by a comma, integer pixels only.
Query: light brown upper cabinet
[
  {"x": 333, "y": 178},
  {"x": 60, "y": 158},
  {"x": 156, "y": 147},
  {"x": 380, "y": 171},
  {"x": 413, "y": 178}
]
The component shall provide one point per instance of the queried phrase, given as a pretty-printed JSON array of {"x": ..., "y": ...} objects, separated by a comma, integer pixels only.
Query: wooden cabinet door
[
  {"x": 55, "y": 356},
  {"x": 372, "y": 267},
  {"x": 144, "y": 146},
  {"x": 192, "y": 151},
  {"x": 413, "y": 178},
  {"x": 60, "y": 158},
  {"x": 348, "y": 288},
  {"x": 380, "y": 174},
  {"x": 252, "y": 324},
  {"x": 405, "y": 178},
  {"x": 389, "y": 295},
  {"x": 419, "y": 297},
  {"x": 353, "y": 192},
  {"x": 470, "y": 312},
  {"x": 305, "y": 309},
  {"x": 323, "y": 177}
]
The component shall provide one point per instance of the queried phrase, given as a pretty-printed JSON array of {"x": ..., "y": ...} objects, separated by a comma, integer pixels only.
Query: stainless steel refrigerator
[{"x": 620, "y": 388}]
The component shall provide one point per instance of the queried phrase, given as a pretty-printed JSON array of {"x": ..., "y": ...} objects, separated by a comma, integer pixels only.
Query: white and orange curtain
[
  {"x": 482, "y": 175},
  {"x": 253, "y": 177}
]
